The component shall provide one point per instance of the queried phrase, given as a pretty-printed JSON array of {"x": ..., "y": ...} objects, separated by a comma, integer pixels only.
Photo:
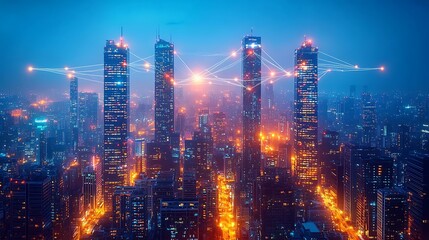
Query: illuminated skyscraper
[
  {"x": 74, "y": 111},
  {"x": 164, "y": 91},
  {"x": 116, "y": 117},
  {"x": 305, "y": 114},
  {"x": 251, "y": 163}
]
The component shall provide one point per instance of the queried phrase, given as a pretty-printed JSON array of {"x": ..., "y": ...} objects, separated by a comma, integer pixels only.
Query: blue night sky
[{"x": 73, "y": 33}]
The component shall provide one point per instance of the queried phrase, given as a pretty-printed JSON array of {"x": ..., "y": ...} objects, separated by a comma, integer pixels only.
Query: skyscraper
[
  {"x": 74, "y": 111},
  {"x": 417, "y": 185},
  {"x": 305, "y": 114},
  {"x": 392, "y": 214},
  {"x": 89, "y": 188},
  {"x": 251, "y": 162},
  {"x": 352, "y": 158},
  {"x": 116, "y": 117},
  {"x": 29, "y": 210},
  {"x": 164, "y": 91},
  {"x": 377, "y": 173}
]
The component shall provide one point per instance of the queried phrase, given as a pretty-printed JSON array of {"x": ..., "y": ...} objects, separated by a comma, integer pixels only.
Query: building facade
[{"x": 116, "y": 117}]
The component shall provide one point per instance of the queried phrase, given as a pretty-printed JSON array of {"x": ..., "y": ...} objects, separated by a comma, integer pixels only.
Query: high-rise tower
[
  {"x": 74, "y": 112},
  {"x": 305, "y": 114},
  {"x": 251, "y": 163},
  {"x": 116, "y": 117},
  {"x": 164, "y": 91}
]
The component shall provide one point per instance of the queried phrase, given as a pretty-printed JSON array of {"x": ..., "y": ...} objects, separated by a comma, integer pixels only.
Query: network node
[{"x": 197, "y": 78}]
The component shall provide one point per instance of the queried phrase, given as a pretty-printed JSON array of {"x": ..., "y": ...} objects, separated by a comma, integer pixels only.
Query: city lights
[{"x": 219, "y": 148}]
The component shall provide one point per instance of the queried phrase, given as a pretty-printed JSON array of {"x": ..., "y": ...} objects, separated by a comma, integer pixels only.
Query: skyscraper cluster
[{"x": 223, "y": 165}]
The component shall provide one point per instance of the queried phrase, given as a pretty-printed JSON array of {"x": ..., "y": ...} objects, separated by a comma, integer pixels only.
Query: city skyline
[{"x": 222, "y": 134}]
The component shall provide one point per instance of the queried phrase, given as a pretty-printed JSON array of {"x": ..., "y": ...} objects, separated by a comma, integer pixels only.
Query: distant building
[
  {"x": 74, "y": 112},
  {"x": 88, "y": 120}
]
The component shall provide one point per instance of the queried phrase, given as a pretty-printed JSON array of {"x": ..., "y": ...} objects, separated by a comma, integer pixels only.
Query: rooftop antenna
[
  {"x": 122, "y": 36},
  {"x": 251, "y": 31}
]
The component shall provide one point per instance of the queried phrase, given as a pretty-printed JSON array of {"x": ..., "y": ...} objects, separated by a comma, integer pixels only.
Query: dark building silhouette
[
  {"x": 352, "y": 157},
  {"x": 277, "y": 204},
  {"x": 179, "y": 219},
  {"x": 417, "y": 185},
  {"x": 30, "y": 208},
  {"x": 392, "y": 214}
]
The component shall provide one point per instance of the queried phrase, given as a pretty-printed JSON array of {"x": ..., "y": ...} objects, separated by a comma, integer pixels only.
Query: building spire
[
  {"x": 122, "y": 36},
  {"x": 158, "y": 37}
]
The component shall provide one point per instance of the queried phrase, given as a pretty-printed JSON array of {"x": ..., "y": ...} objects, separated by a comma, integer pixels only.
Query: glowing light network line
[{"x": 209, "y": 75}]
